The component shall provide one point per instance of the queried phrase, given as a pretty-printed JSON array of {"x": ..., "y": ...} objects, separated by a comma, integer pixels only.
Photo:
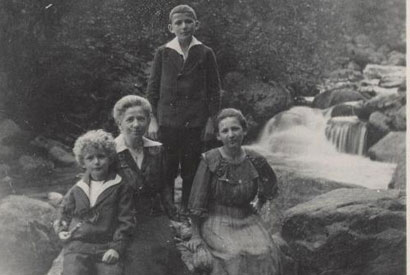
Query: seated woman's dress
[
  {"x": 233, "y": 233},
  {"x": 153, "y": 249}
]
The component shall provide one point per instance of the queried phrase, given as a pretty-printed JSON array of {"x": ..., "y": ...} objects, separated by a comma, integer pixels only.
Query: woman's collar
[{"x": 120, "y": 143}]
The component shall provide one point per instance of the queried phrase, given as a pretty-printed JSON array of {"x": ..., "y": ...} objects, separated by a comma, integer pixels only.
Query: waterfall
[
  {"x": 348, "y": 134},
  {"x": 311, "y": 143}
]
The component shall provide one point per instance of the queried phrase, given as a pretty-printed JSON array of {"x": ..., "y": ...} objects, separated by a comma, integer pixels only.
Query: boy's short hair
[
  {"x": 97, "y": 140},
  {"x": 129, "y": 101},
  {"x": 182, "y": 9},
  {"x": 231, "y": 112}
]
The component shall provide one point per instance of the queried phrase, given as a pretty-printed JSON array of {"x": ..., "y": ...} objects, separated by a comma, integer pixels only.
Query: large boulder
[
  {"x": 349, "y": 232},
  {"x": 56, "y": 150},
  {"x": 399, "y": 177},
  {"x": 389, "y": 148},
  {"x": 27, "y": 242},
  {"x": 382, "y": 71},
  {"x": 398, "y": 119},
  {"x": 294, "y": 189},
  {"x": 258, "y": 99},
  {"x": 330, "y": 98},
  {"x": 380, "y": 122}
]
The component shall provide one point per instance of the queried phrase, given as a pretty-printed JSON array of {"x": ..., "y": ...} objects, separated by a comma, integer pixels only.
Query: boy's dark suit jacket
[{"x": 184, "y": 94}]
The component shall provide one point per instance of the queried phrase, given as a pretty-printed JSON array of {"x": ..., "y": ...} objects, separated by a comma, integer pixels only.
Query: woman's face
[
  {"x": 134, "y": 123},
  {"x": 230, "y": 133}
]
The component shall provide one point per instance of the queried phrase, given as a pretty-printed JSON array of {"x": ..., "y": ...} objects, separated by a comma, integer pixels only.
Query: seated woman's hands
[
  {"x": 194, "y": 243},
  {"x": 111, "y": 256}
]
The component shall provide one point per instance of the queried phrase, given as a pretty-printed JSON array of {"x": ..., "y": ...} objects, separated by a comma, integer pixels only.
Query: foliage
[{"x": 64, "y": 63}]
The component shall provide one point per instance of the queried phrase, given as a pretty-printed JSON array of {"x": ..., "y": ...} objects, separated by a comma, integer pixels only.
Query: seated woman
[
  {"x": 140, "y": 161},
  {"x": 224, "y": 220}
]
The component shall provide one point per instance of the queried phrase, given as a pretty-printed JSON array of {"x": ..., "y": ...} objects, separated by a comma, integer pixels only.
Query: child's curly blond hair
[{"x": 97, "y": 140}]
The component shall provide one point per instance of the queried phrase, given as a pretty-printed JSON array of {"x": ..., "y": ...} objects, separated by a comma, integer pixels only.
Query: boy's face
[
  {"x": 183, "y": 25},
  {"x": 97, "y": 163}
]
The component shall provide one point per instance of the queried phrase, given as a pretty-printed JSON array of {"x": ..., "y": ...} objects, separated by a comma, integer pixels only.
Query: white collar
[
  {"x": 86, "y": 188},
  {"x": 174, "y": 44},
  {"x": 120, "y": 143}
]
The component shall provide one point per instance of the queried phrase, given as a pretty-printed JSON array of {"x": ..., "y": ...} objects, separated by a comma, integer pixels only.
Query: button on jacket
[{"x": 184, "y": 93}]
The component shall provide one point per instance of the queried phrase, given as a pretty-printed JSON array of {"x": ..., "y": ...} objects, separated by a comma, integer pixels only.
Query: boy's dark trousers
[
  {"x": 86, "y": 259},
  {"x": 182, "y": 146}
]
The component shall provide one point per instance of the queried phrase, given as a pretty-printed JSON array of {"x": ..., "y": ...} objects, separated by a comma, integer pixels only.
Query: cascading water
[
  {"x": 348, "y": 134},
  {"x": 296, "y": 139}
]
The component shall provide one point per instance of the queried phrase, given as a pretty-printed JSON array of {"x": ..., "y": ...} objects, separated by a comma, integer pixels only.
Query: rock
[
  {"x": 9, "y": 128},
  {"x": 396, "y": 58},
  {"x": 387, "y": 104},
  {"x": 389, "y": 148},
  {"x": 254, "y": 97},
  {"x": 399, "y": 177},
  {"x": 344, "y": 110},
  {"x": 349, "y": 232},
  {"x": 57, "y": 151},
  {"x": 373, "y": 91},
  {"x": 27, "y": 242},
  {"x": 294, "y": 189},
  {"x": 398, "y": 122},
  {"x": 363, "y": 56},
  {"x": 330, "y": 98},
  {"x": 346, "y": 75},
  {"x": 380, "y": 122},
  {"x": 35, "y": 166},
  {"x": 289, "y": 265},
  {"x": 54, "y": 198},
  {"x": 391, "y": 81},
  {"x": 379, "y": 71}
]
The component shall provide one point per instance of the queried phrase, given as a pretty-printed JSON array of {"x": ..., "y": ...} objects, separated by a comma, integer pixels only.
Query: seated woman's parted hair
[
  {"x": 231, "y": 112},
  {"x": 94, "y": 140},
  {"x": 182, "y": 9},
  {"x": 130, "y": 101}
]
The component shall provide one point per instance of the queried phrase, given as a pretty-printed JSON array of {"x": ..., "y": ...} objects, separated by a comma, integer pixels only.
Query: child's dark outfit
[
  {"x": 108, "y": 224},
  {"x": 183, "y": 94}
]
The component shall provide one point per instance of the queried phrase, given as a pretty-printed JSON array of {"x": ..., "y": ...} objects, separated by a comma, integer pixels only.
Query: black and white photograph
[{"x": 230, "y": 137}]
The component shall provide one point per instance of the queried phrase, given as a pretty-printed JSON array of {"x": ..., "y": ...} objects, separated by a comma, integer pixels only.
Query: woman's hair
[
  {"x": 182, "y": 9},
  {"x": 231, "y": 112},
  {"x": 97, "y": 140},
  {"x": 130, "y": 101}
]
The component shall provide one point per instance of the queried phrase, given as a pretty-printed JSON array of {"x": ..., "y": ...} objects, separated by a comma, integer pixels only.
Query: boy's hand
[
  {"x": 110, "y": 256},
  {"x": 64, "y": 235},
  {"x": 209, "y": 130},
  {"x": 153, "y": 129}
]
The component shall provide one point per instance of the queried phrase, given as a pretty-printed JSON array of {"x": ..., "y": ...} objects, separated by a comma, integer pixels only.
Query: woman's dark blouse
[
  {"x": 147, "y": 182},
  {"x": 230, "y": 187}
]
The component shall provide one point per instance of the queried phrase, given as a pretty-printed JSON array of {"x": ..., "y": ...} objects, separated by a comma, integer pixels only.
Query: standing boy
[
  {"x": 184, "y": 90},
  {"x": 95, "y": 219}
]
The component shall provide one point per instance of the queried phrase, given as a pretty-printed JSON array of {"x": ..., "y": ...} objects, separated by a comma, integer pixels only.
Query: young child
[
  {"x": 184, "y": 91},
  {"x": 95, "y": 219}
]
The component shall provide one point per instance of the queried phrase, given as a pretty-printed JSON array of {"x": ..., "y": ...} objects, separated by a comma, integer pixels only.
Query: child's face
[
  {"x": 183, "y": 25},
  {"x": 96, "y": 163},
  {"x": 231, "y": 133}
]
